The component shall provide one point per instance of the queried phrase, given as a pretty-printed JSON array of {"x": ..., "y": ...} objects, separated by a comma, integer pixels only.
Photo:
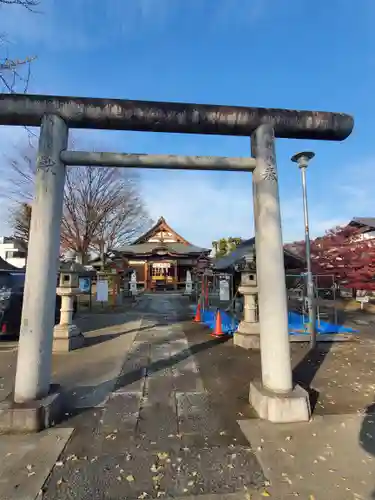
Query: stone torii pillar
[
  {"x": 35, "y": 401},
  {"x": 274, "y": 398}
]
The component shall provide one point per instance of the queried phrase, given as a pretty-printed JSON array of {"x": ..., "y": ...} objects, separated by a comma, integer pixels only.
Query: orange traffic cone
[
  {"x": 197, "y": 317},
  {"x": 217, "y": 332}
]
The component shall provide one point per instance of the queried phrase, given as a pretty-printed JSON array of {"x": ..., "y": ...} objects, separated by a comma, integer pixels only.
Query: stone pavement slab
[
  {"x": 332, "y": 457},
  {"x": 88, "y": 377},
  {"x": 26, "y": 462},
  {"x": 155, "y": 436}
]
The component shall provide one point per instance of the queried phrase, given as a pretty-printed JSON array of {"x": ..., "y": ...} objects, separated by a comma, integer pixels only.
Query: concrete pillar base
[
  {"x": 32, "y": 416},
  {"x": 67, "y": 338},
  {"x": 247, "y": 335},
  {"x": 280, "y": 408}
]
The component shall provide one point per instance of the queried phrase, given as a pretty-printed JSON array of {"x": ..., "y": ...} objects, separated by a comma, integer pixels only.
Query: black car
[{"x": 12, "y": 285}]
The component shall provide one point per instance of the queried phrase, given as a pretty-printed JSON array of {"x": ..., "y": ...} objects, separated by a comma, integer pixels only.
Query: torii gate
[{"x": 274, "y": 397}]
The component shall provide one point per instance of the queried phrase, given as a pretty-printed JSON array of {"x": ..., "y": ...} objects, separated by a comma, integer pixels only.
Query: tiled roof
[
  {"x": 363, "y": 221},
  {"x": 145, "y": 248},
  {"x": 244, "y": 248},
  {"x": 238, "y": 254}
]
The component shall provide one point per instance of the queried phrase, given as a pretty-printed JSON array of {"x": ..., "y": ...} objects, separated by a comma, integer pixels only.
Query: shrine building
[{"x": 161, "y": 257}]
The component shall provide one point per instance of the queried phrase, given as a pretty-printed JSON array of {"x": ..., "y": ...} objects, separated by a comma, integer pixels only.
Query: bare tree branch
[
  {"x": 102, "y": 205},
  {"x": 28, "y": 4},
  {"x": 15, "y": 72}
]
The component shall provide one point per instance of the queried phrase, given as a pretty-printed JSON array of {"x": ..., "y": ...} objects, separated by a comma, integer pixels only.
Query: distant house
[
  {"x": 5, "y": 266},
  {"x": 13, "y": 251},
  {"x": 366, "y": 226}
]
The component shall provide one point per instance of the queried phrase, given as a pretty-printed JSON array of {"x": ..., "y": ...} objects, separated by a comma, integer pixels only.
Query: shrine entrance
[
  {"x": 274, "y": 397},
  {"x": 163, "y": 275}
]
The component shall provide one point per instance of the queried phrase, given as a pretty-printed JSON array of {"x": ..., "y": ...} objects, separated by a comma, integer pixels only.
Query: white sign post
[
  {"x": 224, "y": 291},
  {"x": 188, "y": 284},
  {"x": 102, "y": 291},
  {"x": 362, "y": 300},
  {"x": 133, "y": 283}
]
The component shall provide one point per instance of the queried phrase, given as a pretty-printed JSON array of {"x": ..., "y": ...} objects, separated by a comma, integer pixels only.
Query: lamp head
[{"x": 303, "y": 158}]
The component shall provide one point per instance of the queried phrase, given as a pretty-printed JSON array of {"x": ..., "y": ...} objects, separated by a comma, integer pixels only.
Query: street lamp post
[{"x": 302, "y": 159}]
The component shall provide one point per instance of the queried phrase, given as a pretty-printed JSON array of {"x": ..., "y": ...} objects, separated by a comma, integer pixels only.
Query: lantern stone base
[
  {"x": 67, "y": 338},
  {"x": 291, "y": 407},
  {"x": 247, "y": 335}
]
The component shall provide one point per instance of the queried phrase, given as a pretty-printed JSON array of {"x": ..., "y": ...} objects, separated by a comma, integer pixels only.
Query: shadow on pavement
[
  {"x": 99, "y": 339},
  {"x": 306, "y": 369},
  {"x": 134, "y": 375},
  {"x": 128, "y": 378},
  {"x": 367, "y": 434}
]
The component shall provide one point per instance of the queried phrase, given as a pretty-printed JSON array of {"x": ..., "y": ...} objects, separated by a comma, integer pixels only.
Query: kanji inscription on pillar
[
  {"x": 269, "y": 172},
  {"x": 45, "y": 162}
]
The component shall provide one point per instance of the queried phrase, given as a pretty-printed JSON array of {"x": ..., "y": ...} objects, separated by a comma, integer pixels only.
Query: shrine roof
[
  {"x": 150, "y": 247},
  {"x": 160, "y": 225}
]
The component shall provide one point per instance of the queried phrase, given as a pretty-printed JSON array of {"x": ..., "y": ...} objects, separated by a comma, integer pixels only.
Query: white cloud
[
  {"x": 201, "y": 211},
  {"x": 86, "y": 24}
]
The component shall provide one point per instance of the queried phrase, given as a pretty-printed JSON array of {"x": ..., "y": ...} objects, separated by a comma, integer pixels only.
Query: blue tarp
[{"x": 297, "y": 324}]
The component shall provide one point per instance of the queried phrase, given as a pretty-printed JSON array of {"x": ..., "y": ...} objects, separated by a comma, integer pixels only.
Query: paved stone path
[{"x": 158, "y": 434}]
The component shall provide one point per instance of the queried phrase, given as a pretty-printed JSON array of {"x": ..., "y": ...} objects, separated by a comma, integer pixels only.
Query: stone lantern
[
  {"x": 66, "y": 335},
  {"x": 248, "y": 332}
]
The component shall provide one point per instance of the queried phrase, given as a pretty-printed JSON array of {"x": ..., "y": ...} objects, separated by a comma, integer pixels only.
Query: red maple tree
[{"x": 344, "y": 254}]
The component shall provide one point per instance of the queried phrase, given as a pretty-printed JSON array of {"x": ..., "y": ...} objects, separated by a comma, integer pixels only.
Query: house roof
[
  {"x": 161, "y": 225},
  {"x": 365, "y": 222},
  {"x": 247, "y": 246}
]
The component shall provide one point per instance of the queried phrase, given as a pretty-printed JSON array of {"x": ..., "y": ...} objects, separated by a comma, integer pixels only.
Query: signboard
[
  {"x": 362, "y": 299},
  {"x": 161, "y": 265},
  {"x": 102, "y": 291},
  {"x": 85, "y": 285},
  {"x": 224, "y": 276},
  {"x": 224, "y": 291},
  {"x": 133, "y": 283}
]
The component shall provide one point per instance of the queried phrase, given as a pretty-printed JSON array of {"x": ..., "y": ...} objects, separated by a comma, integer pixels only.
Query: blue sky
[{"x": 297, "y": 54}]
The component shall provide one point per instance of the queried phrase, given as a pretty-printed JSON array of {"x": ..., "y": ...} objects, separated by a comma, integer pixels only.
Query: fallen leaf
[{"x": 130, "y": 478}]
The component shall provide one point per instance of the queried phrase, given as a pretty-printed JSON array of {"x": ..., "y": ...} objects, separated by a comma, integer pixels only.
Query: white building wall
[{"x": 9, "y": 250}]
